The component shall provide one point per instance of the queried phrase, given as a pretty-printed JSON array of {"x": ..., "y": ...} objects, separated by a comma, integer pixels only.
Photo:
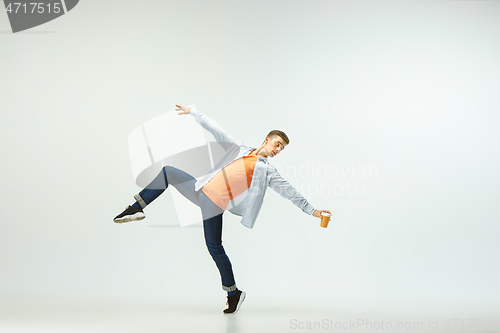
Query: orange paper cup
[{"x": 325, "y": 218}]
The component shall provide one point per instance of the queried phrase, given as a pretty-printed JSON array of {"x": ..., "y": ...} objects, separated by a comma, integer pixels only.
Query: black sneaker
[
  {"x": 130, "y": 214},
  {"x": 234, "y": 302}
]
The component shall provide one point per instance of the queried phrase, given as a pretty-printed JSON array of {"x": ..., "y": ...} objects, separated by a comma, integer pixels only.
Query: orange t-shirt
[{"x": 239, "y": 175}]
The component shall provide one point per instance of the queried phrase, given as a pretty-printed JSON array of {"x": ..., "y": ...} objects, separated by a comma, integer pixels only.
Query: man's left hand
[{"x": 317, "y": 213}]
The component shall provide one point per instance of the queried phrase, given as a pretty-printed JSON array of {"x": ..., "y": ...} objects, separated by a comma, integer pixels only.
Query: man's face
[{"x": 274, "y": 145}]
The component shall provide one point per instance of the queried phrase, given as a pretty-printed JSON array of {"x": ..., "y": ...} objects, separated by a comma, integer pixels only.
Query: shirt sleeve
[
  {"x": 287, "y": 191},
  {"x": 221, "y": 136}
]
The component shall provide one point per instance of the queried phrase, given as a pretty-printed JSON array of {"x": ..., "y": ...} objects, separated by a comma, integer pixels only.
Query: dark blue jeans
[{"x": 211, "y": 213}]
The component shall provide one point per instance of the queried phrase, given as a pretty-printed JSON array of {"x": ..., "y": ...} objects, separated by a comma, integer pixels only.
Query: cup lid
[{"x": 326, "y": 214}]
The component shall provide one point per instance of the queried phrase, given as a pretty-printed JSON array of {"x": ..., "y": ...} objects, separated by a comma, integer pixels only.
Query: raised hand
[{"x": 183, "y": 109}]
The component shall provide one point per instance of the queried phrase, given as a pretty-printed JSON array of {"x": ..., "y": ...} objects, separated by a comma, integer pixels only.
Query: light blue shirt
[{"x": 249, "y": 203}]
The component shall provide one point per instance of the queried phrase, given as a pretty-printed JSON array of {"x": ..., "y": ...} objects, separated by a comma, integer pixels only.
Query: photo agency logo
[
  {"x": 176, "y": 142},
  {"x": 171, "y": 151},
  {"x": 25, "y": 15},
  {"x": 328, "y": 179}
]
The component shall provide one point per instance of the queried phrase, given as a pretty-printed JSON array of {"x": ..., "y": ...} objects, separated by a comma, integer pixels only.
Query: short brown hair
[{"x": 279, "y": 133}]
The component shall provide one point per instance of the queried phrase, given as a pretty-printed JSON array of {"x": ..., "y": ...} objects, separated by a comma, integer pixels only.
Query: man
[{"x": 237, "y": 182}]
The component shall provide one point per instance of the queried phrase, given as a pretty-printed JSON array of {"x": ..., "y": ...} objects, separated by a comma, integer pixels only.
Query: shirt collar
[{"x": 264, "y": 158}]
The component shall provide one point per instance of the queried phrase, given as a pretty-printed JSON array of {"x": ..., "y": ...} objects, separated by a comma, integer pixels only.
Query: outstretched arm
[
  {"x": 287, "y": 191},
  {"x": 222, "y": 137}
]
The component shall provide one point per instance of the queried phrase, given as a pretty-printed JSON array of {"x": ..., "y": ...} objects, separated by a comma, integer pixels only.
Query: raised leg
[{"x": 179, "y": 179}]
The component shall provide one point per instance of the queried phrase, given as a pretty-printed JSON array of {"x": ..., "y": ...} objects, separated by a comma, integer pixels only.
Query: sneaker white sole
[
  {"x": 136, "y": 217},
  {"x": 242, "y": 298}
]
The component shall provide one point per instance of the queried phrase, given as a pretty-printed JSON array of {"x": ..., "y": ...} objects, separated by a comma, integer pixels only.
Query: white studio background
[{"x": 397, "y": 101}]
